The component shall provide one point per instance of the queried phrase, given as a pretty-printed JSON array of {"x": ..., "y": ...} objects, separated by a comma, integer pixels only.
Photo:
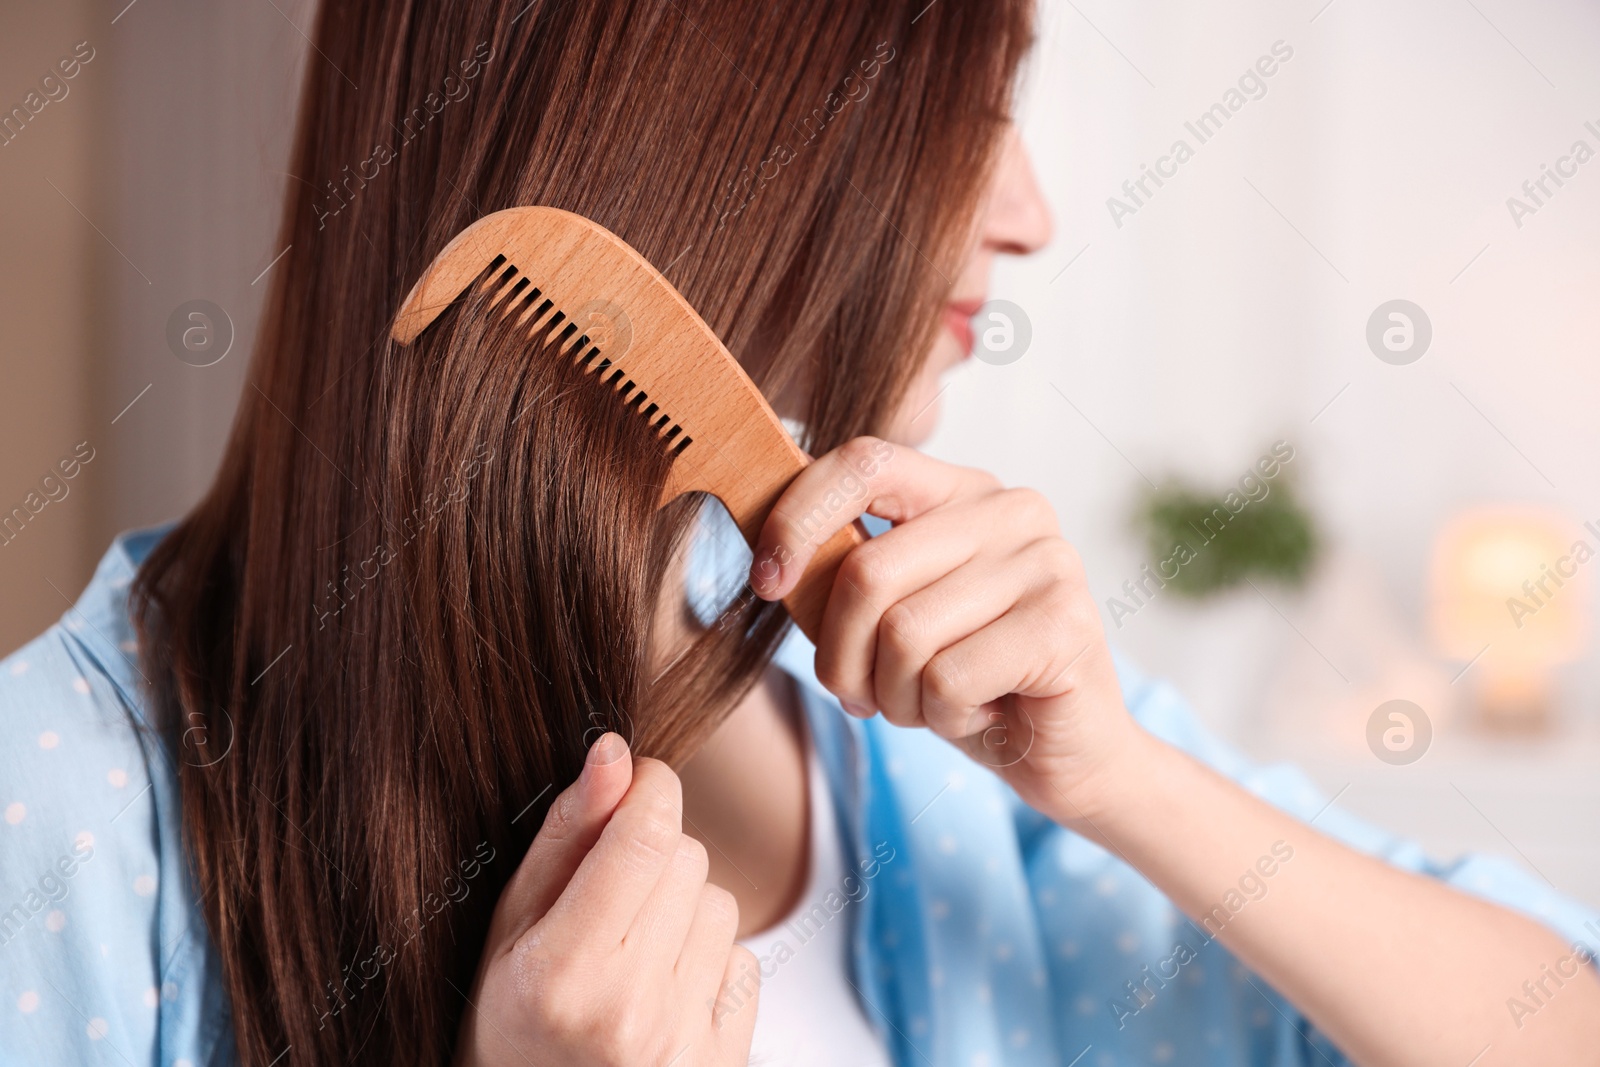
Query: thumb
[{"x": 571, "y": 828}]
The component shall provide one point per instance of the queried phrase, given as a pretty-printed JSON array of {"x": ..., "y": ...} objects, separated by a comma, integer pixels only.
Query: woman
[{"x": 426, "y": 739}]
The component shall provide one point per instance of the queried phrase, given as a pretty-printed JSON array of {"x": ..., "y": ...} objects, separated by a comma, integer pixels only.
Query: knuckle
[
  {"x": 1065, "y": 597},
  {"x": 561, "y": 818},
  {"x": 743, "y": 962},
  {"x": 869, "y": 570},
  {"x": 692, "y": 857},
  {"x": 551, "y": 986},
  {"x": 739, "y": 986},
  {"x": 627, "y": 1035},
  {"x": 1061, "y": 560},
  {"x": 652, "y": 836},
  {"x": 943, "y": 681},
  {"x": 1031, "y": 507},
  {"x": 862, "y": 453},
  {"x": 903, "y": 628},
  {"x": 719, "y": 909},
  {"x": 561, "y": 1014},
  {"x": 1057, "y": 618},
  {"x": 987, "y": 481},
  {"x": 650, "y": 824},
  {"x": 1079, "y": 616},
  {"x": 831, "y": 672}
]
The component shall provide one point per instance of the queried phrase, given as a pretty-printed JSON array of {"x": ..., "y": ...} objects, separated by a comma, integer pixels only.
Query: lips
[{"x": 958, "y": 320}]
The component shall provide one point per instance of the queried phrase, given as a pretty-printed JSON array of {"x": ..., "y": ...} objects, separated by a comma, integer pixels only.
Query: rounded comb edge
[{"x": 772, "y": 459}]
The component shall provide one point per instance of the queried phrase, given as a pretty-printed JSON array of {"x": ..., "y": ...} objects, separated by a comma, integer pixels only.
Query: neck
[
  {"x": 744, "y": 797},
  {"x": 745, "y": 792}
]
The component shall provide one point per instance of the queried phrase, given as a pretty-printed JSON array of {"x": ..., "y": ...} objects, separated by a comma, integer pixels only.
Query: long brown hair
[{"x": 426, "y": 577}]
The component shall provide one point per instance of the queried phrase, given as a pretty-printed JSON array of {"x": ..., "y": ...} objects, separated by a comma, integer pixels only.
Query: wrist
[{"x": 1123, "y": 786}]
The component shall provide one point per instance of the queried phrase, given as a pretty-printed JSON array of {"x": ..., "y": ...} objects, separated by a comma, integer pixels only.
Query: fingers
[
  {"x": 711, "y": 932},
  {"x": 865, "y": 475},
  {"x": 913, "y": 631},
  {"x": 908, "y": 593},
  {"x": 612, "y": 883},
  {"x": 734, "y": 1019},
  {"x": 916, "y": 629},
  {"x": 571, "y": 828},
  {"x": 1028, "y": 651},
  {"x": 662, "y": 926},
  {"x": 886, "y": 650},
  {"x": 624, "y": 948},
  {"x": 872, "y": 580}
]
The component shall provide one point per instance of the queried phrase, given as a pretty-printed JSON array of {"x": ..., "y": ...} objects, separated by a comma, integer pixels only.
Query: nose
[{"x": 1017, "y": 221}]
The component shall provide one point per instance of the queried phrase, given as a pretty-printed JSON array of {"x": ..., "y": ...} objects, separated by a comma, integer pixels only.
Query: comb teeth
[{"x": 513, "y": 293}]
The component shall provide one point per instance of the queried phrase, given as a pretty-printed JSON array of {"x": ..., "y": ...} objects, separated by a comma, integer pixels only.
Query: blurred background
[{"x": 1364, "y": 263}]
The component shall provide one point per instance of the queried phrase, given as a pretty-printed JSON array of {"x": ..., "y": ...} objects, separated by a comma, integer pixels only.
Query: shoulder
[
  {"x": 91, "y": 877},
  {"x": 72, "y": 709},
  {"x": 72, "y": 755}
]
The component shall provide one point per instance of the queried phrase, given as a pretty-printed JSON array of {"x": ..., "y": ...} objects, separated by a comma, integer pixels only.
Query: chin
[
  {"x": 916, "y": 434},
  {"x": 918, "y": 416},
  {"x": 909, "y": 427}
]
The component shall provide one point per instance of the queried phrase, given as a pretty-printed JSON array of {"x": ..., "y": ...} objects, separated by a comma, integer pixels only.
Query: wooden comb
[{"x": 608, "y": 310}]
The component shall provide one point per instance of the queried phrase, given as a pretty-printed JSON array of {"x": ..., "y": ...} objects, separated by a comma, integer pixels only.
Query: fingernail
[
  {"x": 606, "y": 750},
  {"x": 856, "y": 709}
]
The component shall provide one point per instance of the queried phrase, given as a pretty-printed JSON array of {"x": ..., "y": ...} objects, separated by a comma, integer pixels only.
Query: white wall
[
  {"x": 197, "y": 138},
  {"x": 1205, "y": 326}
]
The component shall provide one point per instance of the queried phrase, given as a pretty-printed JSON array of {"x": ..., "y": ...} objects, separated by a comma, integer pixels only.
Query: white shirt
[{"x": 808, "y": 1012}]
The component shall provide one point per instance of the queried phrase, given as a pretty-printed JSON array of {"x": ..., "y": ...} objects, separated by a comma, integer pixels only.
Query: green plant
[{"x": 1214, "y": 541}]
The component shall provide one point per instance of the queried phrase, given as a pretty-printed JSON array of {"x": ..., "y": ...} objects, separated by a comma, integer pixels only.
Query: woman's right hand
[{"x": 608, "y": 947}]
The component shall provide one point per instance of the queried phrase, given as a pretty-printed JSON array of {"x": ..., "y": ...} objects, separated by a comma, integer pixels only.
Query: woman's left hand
[{"x": 970, "y": 617}]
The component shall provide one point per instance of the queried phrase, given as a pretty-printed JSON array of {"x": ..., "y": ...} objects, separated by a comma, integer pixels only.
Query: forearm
[{"x": 1394, "y": 967}]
